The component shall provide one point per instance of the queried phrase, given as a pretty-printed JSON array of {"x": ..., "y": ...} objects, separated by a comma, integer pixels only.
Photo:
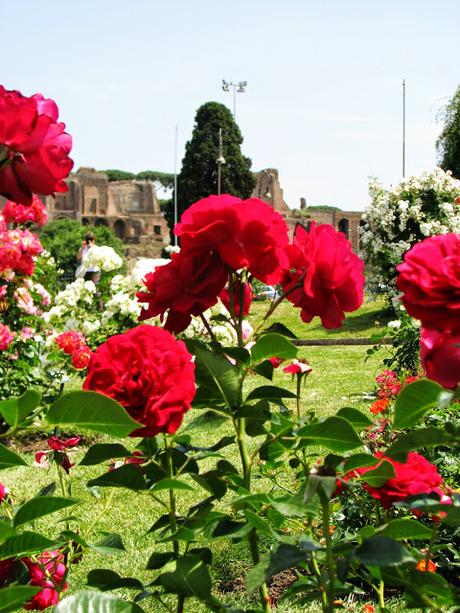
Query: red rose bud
[
  {"x": 59, "y": 444},
  {"x": 429, "y": 279},
  {"x": 276, "y": 362},
  {"x": 150, "y": 373},
  {"x": 440, "y": 353},
  {"x": 298, "y": 367},
  {"x": 33, "y": 147},
  {"x": 238, "y": 309},
  {"x": 329, "y": 274}
]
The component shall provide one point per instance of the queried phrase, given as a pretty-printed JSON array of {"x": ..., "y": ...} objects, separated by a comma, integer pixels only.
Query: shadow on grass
[{"x": 360, "y": 322}]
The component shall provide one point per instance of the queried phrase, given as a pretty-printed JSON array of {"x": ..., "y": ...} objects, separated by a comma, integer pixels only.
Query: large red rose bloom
[
  {"x": 330, "y": 275},
  {"x": 440, "y": 354},
  {"x": 245, "y": 233},
  {"x": 415, "y": 476},
  {"x": 150, "y": 373},
  {"x": 34, "y": 147},
  {"x": 429, "y": 279},
  {"x": 188, "y": 285}
]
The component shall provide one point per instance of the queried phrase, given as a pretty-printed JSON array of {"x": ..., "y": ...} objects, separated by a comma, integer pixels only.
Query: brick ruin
[
  {"x": 132, "y": 210},
  {"x": 268, "y": 189}
]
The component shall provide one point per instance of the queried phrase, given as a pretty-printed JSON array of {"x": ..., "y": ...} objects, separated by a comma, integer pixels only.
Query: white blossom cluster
[
  {"x": 398, "y": 218},
  {"x": 102, "y": 257}
]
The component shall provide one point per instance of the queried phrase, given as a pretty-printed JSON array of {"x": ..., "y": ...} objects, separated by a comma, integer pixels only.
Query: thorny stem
[
  {"x": 208, "y": 328},
  {"x": 381, "y": 594},
  {"x": 321, "y": 587},
  {"x": 329, "y": 556}
]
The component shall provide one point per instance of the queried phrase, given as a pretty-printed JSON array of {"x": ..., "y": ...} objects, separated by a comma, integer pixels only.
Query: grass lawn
[
  {"x": 339, "y": 378},
  {"x": 364, "y": 322}
]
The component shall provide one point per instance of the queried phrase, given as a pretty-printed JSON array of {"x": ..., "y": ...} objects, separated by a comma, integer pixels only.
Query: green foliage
[
  {"x": 448, "y": 143},
  {"x": 164, "y": 179},
  {"x": 63, "y": 238},
  {"x": 198, "y": 176}
]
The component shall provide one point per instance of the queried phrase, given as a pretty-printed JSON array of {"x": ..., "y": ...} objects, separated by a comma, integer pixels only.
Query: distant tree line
[{"x": 163, "y": 179}]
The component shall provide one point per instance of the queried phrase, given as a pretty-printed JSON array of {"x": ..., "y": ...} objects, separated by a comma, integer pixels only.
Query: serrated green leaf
[
  {"x": 96, "y": 602},
  {"x": 383, "y": 551},
  {"x": 335, "y": 433},
  {"x": 425, "y": 437},
  {"x": 9, "y": 458},
  {"x": 39, "y": 507},
  {"x": 270, "y": 392},
  {"x": 170, "y": 484},
  {"x": 187, "y": 576},
  {"x": 209, "y": 419},
  {"x": 24, "y": 543},
  {"x": 15, "y": 410},
  {"x": 92, "y": 411},
  {"x": 356, "y": 418},
  {"x": 407, "y": 528},
  {"x": 102, "y": 452},
  {"x": 359, "y": 460},
  {"x": 213, "y": 371},
  {"x": 379, "y": 475},
  {"x": 273, "y": 345},
  {"x": 128, "y": 475},
  {"x": 11, "y": 598},
  {"x": 414, "y": 400}
]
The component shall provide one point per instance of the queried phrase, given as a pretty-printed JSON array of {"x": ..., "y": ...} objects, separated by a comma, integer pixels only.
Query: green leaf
[
  {"x": 280, "y": 328},
  {"x": 159, "y": 559},
  {"x": 283, "y": 557},
  {"x": 407, "y": 528},
  {"x": 214, "y": 371},
  {"x": 380, "y": 475},
  {"x": 9, "y": 458},
  {"x": 356, "y": 418},
  {"x": 383, "y": 551},
  {"x": 425, "y": 437},
  {"x": 24, "y": 543},
  {"x": 187, "y": 576},
  {"x": 264, "y": 369},
  {"x": 105, "y": 580},
  {"x": 104, "y": 451},
  {"x": 414, "y": 400},
  {"x": 92, "y": 411},
  {"x": 209, "y": 419},
  {"x": 270, "y": 392},
  {"x": 6, "y": 530},
  {"x": 171, "y": 484},
  {"x": 15, "y": 410},
  {"x": 111, "y": 543},
  {"x": 95, "y": 602},
  {"x": 11, "y": 598},
  {"x": 359, "y": 460},
  {"x": 335, "y": 433},
  {"x": 39, "y": 507},
  {"x": 128, "y": 475},
  {"x": 273, "y": 345}
]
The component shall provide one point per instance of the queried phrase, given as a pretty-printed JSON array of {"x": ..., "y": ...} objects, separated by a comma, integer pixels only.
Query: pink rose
[{"x": 440, "y": 352}]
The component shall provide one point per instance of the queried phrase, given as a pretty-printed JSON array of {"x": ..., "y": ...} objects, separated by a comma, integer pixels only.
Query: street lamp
[
  {"x": 220, "y": 160},
  {"x": 239, "y": 88}
]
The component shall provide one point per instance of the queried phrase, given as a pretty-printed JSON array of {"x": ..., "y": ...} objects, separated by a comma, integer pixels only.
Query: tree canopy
[
  {"x": 198, "y": 175},
  {"x": 163, "y": 179},
  {"x": 448, "y": 143}
]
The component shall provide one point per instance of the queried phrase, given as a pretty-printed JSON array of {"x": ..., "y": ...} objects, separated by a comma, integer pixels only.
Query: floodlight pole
[
  {"x": 404, "y": 130},
  {"x": 239, "y": 88},
  {"x": 175, "y": 184}
]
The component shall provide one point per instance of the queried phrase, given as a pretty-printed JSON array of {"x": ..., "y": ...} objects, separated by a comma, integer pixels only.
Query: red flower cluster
[
  {"x": 21, "y": 214},
  {"x": 218, "y": 234},
  {"x": 388, "y": 383},
  {"x": 440, "y": 352},
  {"x": 325, "y": 277},
  {"x": 73, "y": 343},
  {"x": 429, "y": 279},
  {"x": 415, "y": 476},
  {"x": 6, "y": 337},
  {"x": 49, "y": 572},
  {"x": 34, "y": 148},
  {"x": 150, "y": 373},
  {"x": 379, "y": 406},
  {"x": 17, "y": 250},
  {"x": 240, "y": 310}
]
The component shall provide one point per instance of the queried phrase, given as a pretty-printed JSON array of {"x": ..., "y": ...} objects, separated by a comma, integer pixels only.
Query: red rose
[
  {"x": 330, "y": 274},
  {"x": 415, "y": 476},
  {"x": 440, "y": 354},
  {"x": 298, "y": 367},
  {"x": 429, "y": 279},
  {"x": 236, "y": 298},
  {"x": 245, "y": 233},
  {"x": 49, "y": 572},
  {"x": 21, "y": 214},
  {"x": 33, "y": 147},
  {"x": 59, "y": 444},
  {"x": 276, "y": 362},
  {"x": 70, "y": 341},
  {"x": 81, "y": 357},
  {"x": 188, "y": 285},
  {"x": 6, "y": 569},
  {"x": 150, "y": 373}
]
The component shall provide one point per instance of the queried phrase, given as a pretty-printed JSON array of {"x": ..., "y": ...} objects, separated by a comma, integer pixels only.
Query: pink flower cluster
[
  {"x": 73, "y": 343},
  {"x": 17, "y": 251},
  {"x": 6, "y": 337},
  {"x": 21, "y": 214},
  {"x": 34, "y": 147}
]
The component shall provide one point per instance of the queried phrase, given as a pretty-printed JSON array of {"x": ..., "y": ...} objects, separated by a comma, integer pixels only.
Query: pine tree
[{"x": 198, "y": 176}]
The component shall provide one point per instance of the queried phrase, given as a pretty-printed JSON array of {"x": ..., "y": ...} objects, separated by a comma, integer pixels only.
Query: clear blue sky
[{"x": 323, "y": 102}]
